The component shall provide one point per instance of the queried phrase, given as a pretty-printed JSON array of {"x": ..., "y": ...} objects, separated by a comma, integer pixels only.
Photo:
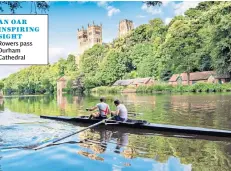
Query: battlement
[
  {"x": 81, "y": 29},
  {"x": 89, "y": 37},
  {"x": 126, "y": 20},
  {"x": 94, "y": 25},
  {"x": 90, "y": 26},
  {"x": 92, "y": 34},
  {"x": 125, "y": 26}
]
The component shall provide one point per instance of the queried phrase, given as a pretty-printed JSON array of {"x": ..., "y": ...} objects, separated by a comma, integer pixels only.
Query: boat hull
[{"x": 148, "y": 126}]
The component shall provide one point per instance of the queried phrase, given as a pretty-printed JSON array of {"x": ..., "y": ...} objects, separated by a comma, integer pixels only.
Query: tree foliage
[
  {"x": 153, "y": 3},
  {"x": 198, "y": 41},
  {"x": 1, "y": 85},
  {"x": 40, "y": 79},
  {"x": 14, "y": 5}
]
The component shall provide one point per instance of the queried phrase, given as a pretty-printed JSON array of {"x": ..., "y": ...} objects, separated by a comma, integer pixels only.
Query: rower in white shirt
[{"x": 121, "y": 113}]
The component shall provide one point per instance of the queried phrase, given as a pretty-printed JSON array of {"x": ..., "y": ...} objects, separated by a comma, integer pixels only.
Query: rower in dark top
[
  {"x": 121, "y": 113},
  {"x": 103, "y": 110}
]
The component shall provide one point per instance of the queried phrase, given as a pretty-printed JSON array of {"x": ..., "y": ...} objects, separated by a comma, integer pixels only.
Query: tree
[
  {"x": 1, "y": 85},
  {"x": 221, "y": 40},
  {"x": 113, "y": 67},
  {"x": 78, "y": 84},
  {"x": 40, "y": 79},
  {"x": 153, "y": 3},
  {"x": 181, "y": 44},
  {"x": 69, "y": 86},
  {"x": 71, "y": 67},
  {"x": 198, "y": 41},
  {"x": 14, "y": 5},
  {"x": 90, "y": 60}
]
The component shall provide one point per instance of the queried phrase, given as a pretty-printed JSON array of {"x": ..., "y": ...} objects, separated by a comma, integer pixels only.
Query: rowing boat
[{"x": 144, "y": 125}]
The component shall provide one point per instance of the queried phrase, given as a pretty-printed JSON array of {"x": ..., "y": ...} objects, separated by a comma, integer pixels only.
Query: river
[{"x": 114, "y": 149}]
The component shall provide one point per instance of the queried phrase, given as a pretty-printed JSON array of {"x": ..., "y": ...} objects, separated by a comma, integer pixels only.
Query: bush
[
  {"x": 105, "y": 89},
  {"x": 164, "y": 87},
  {"x": 198, "y": 87}
]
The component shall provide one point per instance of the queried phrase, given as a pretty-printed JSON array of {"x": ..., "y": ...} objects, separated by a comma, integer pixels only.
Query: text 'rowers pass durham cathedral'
[{"x": 93, "y": 35}]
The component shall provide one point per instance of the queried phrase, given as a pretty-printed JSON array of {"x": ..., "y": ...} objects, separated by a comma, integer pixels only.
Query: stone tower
[
  {"x": 94, "y": 34},
  {"x": 125, "y": 26},
  {"x": 88, "y": 38},
  {"x": 82, "y": 40}
]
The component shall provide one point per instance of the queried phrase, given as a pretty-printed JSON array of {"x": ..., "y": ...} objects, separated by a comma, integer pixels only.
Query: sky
[{"x": 67, "y": 16}]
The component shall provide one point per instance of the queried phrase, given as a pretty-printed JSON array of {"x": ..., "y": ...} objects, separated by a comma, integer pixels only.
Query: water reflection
[
  {"x": 122, "y": 141},
  {"x": 110, "y": 149},
  {"x": 202, "y": 110},
  {"x": 97, "y": 141},
  {"x": 62, "y": 103},
  {"x": 0, "y": 165},
  {"x": 1, "y": 104},
  {"x": 165, "y": 153}
]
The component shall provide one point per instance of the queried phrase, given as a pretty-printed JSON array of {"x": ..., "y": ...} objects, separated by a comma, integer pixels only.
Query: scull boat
[{"x": 144, "y": 125}]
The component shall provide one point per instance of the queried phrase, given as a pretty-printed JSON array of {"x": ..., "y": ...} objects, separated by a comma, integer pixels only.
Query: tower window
[{"x": 97, "y": 32}]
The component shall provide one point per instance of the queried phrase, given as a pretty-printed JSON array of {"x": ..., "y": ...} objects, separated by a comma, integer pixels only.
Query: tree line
[
  {"x": 39, "y": 79},
  {"x": 198, "y": 41}
]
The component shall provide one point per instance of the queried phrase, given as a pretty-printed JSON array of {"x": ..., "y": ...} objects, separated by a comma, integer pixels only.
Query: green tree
[
  {"x": 153, "y": 3},
  {"x": 91, "y": 59},
  {"x": 197, "y": 41},
  {"x": 1, "y": 85},
  {"x": 181, "y": 44},
  {"x": 221, "y": 38},
  {"x": 14, "y": 5}
]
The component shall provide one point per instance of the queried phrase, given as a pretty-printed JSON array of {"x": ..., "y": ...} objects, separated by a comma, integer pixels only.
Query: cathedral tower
[
  {"x": 88, "y": 38},
  {"x": 82, "y": 40},
  {"x": 125, "y": 26},
  {"x": 94, "y": 34}
]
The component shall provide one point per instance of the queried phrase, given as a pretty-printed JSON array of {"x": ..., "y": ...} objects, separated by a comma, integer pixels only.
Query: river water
[{"x": 114, "y": 149}]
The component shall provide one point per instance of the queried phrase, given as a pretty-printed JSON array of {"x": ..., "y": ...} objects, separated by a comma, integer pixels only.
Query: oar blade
[
  {"x": 50, "y": 143},
  {"x": 42, "y": 146}
]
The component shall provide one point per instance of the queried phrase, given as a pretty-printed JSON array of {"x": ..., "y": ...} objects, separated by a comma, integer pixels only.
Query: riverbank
[
  {"x": 21, "y": 95},
  {"x": 165, "y": 88}
]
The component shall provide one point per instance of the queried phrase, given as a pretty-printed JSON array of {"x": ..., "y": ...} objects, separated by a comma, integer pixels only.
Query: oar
[
  {"x": 48, "y": 144},
  {"x": 135, "y": 113},
  {"x": 29, "y": 147}
]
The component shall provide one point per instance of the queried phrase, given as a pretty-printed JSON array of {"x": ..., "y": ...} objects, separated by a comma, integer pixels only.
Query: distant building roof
[
  {"x": 174, "y": 77},
  {"x": 222, "y": 76},
  {"x": 132, "y": 81},
  {"x": 195, "y": 76},
  {"x": 123, "y": 82},
  {"x": 141, "y": 80}
]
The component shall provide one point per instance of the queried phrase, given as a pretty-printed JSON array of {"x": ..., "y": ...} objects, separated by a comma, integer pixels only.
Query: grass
[
  {"x": 164, "y": 87},
  {"x": 106, "y": 89},
  {"x": 198, "y": 87}
]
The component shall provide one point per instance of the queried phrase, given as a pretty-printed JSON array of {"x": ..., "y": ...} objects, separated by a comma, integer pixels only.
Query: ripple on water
[
  {"x": 20, "y": 130},
  {"x": 141, "y": 152}
]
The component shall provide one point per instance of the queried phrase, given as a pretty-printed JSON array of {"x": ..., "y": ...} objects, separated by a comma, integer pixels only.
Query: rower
[
  {"x": 121, "y": 113},
  {"x": 103, "y": 110}
]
